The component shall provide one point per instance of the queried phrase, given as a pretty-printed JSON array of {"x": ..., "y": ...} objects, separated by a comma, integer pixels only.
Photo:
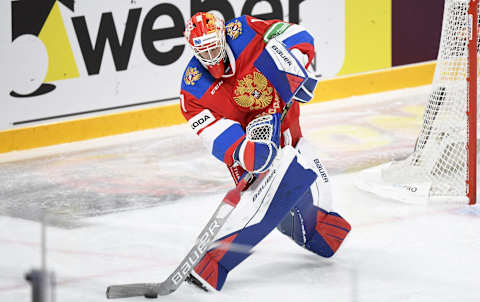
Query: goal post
[
  {"x": 442, "y": 166},
  {"x": 472, "y": 103}
]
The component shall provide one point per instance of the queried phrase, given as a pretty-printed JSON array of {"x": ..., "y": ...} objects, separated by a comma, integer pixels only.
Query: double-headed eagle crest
[
  {"x": 234, "y": 29},
  {"x": 253, "y": 92},
  {"x": 192, "y": 75}
]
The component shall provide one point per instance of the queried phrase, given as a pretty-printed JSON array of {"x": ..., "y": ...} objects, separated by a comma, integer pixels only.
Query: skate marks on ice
[{"x": 135, "y": 173}]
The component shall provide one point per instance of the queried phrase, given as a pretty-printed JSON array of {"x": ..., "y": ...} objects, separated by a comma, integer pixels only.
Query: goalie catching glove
[{"x": 260, "y": 145}]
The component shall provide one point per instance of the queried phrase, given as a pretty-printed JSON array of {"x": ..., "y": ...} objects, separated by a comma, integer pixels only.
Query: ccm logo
[
  {"x": 201, "y": 120},
  {"x": 216, "y": 87}
]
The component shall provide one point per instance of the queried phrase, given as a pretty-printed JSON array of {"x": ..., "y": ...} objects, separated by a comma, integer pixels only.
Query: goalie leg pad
[
  {"x": 311, "y": 223},
  {"x": 259, "y": 211},
  {"x": 330, "y": 231},
  {"x": 313, "y": 228},
  {"x": 209, "y": 268}
]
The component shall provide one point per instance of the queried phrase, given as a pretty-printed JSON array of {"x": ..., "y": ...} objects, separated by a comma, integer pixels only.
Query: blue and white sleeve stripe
[{"x": 221, "y": 138}]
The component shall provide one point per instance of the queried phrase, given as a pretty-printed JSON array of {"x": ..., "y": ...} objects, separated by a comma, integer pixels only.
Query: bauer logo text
[
  {"x": 196, "y": 253},
  {"x": 321, "y": 170}
]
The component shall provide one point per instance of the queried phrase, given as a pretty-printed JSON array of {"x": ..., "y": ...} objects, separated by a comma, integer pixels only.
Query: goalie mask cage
[{"x": 442, "y": 166}]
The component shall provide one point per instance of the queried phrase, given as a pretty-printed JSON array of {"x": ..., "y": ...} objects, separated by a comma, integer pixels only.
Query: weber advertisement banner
[
  {"x": 67, "y": 59},
  {"x": 64, "y": 59}
]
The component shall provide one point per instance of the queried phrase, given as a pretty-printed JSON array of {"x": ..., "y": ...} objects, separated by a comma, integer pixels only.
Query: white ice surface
[{"x": 395, "y": 251}]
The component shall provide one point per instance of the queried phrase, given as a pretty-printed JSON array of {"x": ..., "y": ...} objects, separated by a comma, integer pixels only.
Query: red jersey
[{"x": 218, "y": 110}]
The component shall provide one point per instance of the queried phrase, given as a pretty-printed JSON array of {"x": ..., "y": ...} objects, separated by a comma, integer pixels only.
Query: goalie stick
[
  {"x": 196, "y": 253},
  {"x": 171, "y": 284}
]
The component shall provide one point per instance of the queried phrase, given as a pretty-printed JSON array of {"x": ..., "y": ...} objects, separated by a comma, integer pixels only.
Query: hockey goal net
[{"x": 442, "y": 166}]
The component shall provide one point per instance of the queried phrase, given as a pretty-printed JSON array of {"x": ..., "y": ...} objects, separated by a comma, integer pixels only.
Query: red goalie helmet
[{"x": 205, "y": 34}]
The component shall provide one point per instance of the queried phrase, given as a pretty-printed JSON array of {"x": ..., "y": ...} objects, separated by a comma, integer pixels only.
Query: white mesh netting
[
  {"x": 440, "y": 154},
  {"x": 260, "y": 129}
]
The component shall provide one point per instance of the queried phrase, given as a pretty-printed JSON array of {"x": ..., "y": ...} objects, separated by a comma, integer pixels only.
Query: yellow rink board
[{"x": 167, "y": 115}]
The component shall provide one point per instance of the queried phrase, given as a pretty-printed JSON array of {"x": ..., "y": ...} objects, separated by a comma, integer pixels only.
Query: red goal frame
[{"x": 472, "y": 101}]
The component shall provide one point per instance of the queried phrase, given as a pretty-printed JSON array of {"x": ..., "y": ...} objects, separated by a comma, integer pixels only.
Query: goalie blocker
[{"x": 294, "y": 196}]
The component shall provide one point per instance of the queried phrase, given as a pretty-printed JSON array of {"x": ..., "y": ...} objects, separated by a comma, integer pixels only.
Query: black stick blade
[{"x": 132, "y": 290}]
